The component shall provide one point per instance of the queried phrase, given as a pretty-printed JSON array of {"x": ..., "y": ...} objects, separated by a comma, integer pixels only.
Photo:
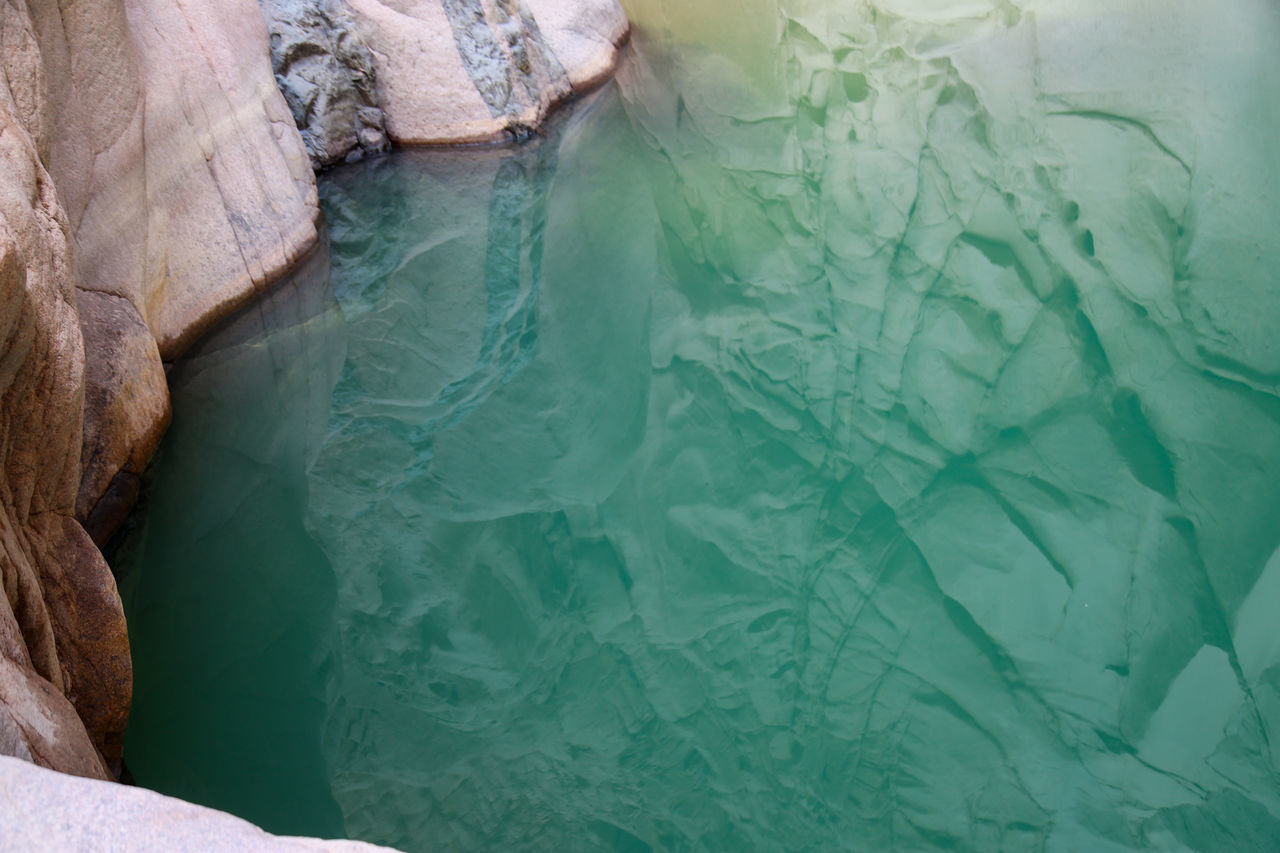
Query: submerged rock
[{"x": 860, "y": 431}]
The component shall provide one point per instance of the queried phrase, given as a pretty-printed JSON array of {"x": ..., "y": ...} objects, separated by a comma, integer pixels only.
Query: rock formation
[
  {"x": 440, "y": 71},
  {"x": 326, "y": 74},
  {"x": 152, "y": 182},
  {"x": 83, "y": 814}
]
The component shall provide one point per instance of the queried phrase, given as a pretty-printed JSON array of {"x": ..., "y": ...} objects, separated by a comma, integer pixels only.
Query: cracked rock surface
[
  {"x": 857, "y": 429},
  {"x": 326, "y": 75}
]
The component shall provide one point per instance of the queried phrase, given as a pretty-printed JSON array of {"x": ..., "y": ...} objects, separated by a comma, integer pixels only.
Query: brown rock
[
  {"x": 39, "y": 725},
  {"x": 126, "y": 409},
  {"x": 61, "y": 628}
]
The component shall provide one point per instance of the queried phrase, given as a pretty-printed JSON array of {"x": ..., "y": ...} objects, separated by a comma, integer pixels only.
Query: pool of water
[{"x": 856, "y": 427}]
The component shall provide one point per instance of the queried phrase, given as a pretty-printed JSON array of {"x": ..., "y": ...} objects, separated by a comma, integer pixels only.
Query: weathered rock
[
  {"x": 326, "y": 74},
  {"x": 454, "y": 71},
  {"x": 215, "y": 194},
  {"x": 583, "y": 36},
  {"x": 62, "y": 632},
  {"x": 126, "y": 409},
  {"x": 39, "y": 725},
  {"x": 40, "y": 810},
  {"x": 152, "y": 177}
]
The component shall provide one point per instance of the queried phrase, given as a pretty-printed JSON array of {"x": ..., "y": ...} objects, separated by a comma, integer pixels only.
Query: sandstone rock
[
  {"x": 326, "y": 74},
  {"x": 455, "y": 71},
  {"x": 583, "y": 36},
  {"x": 38, "y": 724},
  {"x": 186, "y": 186},
  {"x": 230, "y": 196},
  {"x": 40, "y": 810}
]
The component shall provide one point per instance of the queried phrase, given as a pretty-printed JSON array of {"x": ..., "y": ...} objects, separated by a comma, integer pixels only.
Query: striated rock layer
[
  {"x": 325, "y": 72},
  {"x": 434, "y": 71}
]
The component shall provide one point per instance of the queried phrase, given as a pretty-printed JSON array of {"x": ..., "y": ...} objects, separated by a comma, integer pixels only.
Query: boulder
[
  {"x": 41, "y": 810},
  {"x": 458, "y": 71}
]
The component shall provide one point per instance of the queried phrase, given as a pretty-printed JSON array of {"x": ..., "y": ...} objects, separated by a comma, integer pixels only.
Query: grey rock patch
[
  {"x": 326, "y": 74},
  {"x": 514, "y": 70}
]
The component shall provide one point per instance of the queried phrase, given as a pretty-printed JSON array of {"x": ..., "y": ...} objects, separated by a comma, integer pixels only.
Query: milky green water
[{"x": 856, "y": 428}]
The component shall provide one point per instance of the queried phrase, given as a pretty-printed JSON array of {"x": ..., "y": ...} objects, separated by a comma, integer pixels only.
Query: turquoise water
[{"x": 855, "y": 428}]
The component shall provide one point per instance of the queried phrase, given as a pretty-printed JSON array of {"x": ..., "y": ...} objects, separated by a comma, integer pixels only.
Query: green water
[{"x": 856, "y": 428}]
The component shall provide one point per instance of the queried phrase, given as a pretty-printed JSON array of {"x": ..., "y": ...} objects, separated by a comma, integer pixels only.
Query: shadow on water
[{"x": 230, "y": 601}]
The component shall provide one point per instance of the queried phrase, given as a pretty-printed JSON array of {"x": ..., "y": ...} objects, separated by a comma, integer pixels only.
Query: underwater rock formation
[{"x": 858, "y": 429}]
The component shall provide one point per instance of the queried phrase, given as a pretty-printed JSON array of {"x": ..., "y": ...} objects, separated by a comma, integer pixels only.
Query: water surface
[{"x": 855, "y": 428}]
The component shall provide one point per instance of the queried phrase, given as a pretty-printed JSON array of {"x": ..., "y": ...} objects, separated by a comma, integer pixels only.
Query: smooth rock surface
[
  {"x": 454, "y": 71},
  {"x": 45, "y": 811}
]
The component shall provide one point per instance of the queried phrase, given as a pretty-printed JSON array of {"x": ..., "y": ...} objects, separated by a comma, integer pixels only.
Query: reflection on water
[{"x": 856, "y": 428}]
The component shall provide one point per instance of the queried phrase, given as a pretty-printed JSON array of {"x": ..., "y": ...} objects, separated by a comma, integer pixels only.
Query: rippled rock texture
[{"x": 858, "y": 429}]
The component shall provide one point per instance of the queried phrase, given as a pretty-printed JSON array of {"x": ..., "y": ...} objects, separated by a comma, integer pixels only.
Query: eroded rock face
[
  {"x": 326, "y": 75},
  {"x": 152, "y": 181},
  {"x": 62, "y": 633}
]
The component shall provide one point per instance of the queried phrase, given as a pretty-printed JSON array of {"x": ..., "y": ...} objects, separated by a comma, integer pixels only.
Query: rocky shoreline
[{"x": 155, "y": 180}]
